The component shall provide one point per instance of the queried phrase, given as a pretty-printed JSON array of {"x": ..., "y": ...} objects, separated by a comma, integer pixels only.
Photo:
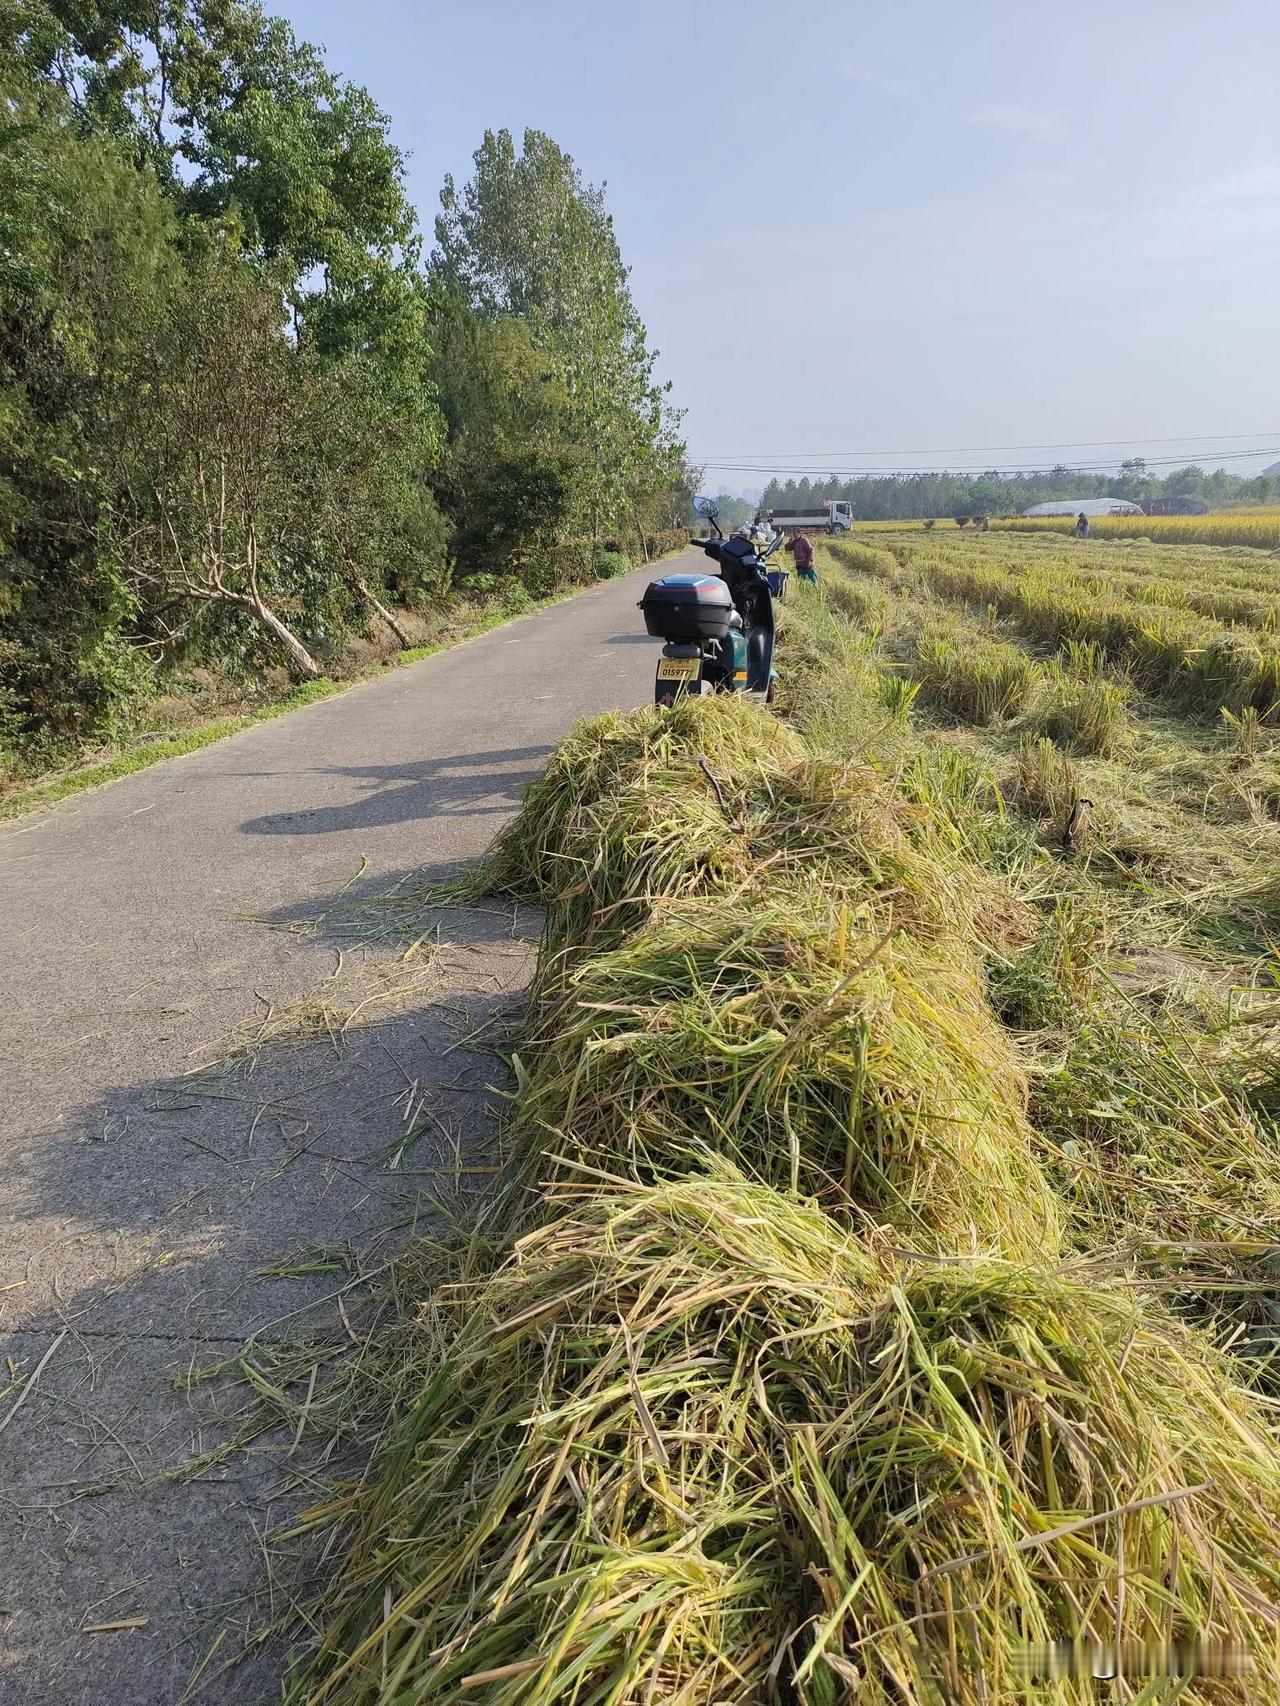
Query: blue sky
[{"x": 867, "y": 236}]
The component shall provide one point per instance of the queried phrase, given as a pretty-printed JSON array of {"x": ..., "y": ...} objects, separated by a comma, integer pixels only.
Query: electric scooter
[{"x": 718, "y": 628}]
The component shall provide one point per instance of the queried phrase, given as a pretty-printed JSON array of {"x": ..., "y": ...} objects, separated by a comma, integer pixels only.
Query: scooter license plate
[{"x": 679, "y": 669}]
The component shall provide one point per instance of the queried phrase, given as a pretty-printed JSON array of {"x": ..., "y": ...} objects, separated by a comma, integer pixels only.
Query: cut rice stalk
[
  {"x": 823, "y": 1055},
  {"x": 696, "y": 1443}
]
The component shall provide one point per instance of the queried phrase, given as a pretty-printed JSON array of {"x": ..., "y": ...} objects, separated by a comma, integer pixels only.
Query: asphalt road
[{"x": 165, "y": 1192}]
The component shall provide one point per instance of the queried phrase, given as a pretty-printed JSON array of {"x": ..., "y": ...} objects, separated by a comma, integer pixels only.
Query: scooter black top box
[{"x": 687, "y": 607}]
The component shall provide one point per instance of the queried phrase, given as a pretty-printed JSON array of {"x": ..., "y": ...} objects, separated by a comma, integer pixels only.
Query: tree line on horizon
[
  {"x": 244, "y": 414},
  {"x": 906, "y": 497}
]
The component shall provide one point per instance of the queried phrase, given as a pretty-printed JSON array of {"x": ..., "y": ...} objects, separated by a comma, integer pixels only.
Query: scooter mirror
[{"x": 708, "y": 508}]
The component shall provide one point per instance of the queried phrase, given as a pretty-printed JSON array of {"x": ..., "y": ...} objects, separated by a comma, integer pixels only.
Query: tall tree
[
  {"x": 251, "y": 475},
  {"x": 87, "y": 253},
  {"x": 156, "y": 149},
  {"x": 245, "y": 126},
  {"x": 527, "y": 239},
  {"x": 509, "y": 471}
]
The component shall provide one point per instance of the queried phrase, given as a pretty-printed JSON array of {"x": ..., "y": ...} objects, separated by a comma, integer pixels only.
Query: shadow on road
[
  {"x": 471, "y": 784},
  {"x": 170, "y": 1222}
]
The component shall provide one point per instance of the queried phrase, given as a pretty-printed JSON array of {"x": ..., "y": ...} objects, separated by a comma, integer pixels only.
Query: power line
[
  {"x": 985, "y": 467},
  {"x": 986, "y": 449},
  {"x": 850, "y": 471}
]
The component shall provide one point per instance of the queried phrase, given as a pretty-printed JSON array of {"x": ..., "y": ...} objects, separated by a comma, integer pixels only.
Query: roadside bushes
[
  {"x": 610, "y": 561},
  {"x": 663, "y": 542}
]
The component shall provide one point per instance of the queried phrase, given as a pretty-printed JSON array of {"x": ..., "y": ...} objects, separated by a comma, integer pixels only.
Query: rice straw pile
[
  {"x": 823, "y": 1055},
  {"x": 713, "y": 798},
  {"x": 772, "y": 1385}
]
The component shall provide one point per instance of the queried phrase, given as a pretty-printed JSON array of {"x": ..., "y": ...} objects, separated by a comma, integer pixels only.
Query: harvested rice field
[{"x": 882, "y": 1300}]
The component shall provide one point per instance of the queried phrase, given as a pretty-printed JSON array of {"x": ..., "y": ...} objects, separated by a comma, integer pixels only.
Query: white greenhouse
[{"x": 1086, "y": 506}]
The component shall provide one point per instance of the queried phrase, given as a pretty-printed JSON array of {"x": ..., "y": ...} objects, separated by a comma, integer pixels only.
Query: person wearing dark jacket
[{"x": 801, "y": 548}]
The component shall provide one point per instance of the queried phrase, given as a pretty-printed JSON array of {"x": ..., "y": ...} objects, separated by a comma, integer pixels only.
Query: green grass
[
  {"x": 48, "y": 793},
  {"x": 136, "y": 758}
]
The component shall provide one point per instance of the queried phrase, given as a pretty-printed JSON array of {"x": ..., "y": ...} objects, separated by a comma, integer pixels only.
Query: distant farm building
[
  {"x": 1086, "y": 506},
  {"x": 1273, "y": 471}
]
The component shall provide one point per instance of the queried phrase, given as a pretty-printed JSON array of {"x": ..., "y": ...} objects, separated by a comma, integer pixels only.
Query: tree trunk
[
  {"x": 376, "y": 603},
  {"x": 298, "y": 655}
]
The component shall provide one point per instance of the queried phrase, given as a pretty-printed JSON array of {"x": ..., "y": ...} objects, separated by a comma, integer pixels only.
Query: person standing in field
[
  {"x": 1082, "y": 526},
  {"x": 801, "y": 548}
]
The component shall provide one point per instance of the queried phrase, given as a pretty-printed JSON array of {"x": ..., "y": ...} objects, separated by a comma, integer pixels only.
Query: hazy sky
[{"x": 906, "y": 228}]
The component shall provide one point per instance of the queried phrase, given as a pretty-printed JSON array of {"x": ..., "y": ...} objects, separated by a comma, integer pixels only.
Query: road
[{"x": 172, "y": 1180}]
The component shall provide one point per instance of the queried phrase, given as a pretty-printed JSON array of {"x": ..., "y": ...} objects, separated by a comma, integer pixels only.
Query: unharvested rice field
[
  {"x": 1249, "y": 529},
  {"x": 886, "y": 1278},
  {"x": 1256, "y": 528}
]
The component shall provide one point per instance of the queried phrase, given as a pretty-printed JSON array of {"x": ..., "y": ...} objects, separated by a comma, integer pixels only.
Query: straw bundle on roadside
[
  {"x": 622, "y": 810},
  {"x": 697, "y": 1443},
  {"x": 823, "y": 1054},
  {"x": 772, "y": 1390},
  {"x": 706, "y": 799}
]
